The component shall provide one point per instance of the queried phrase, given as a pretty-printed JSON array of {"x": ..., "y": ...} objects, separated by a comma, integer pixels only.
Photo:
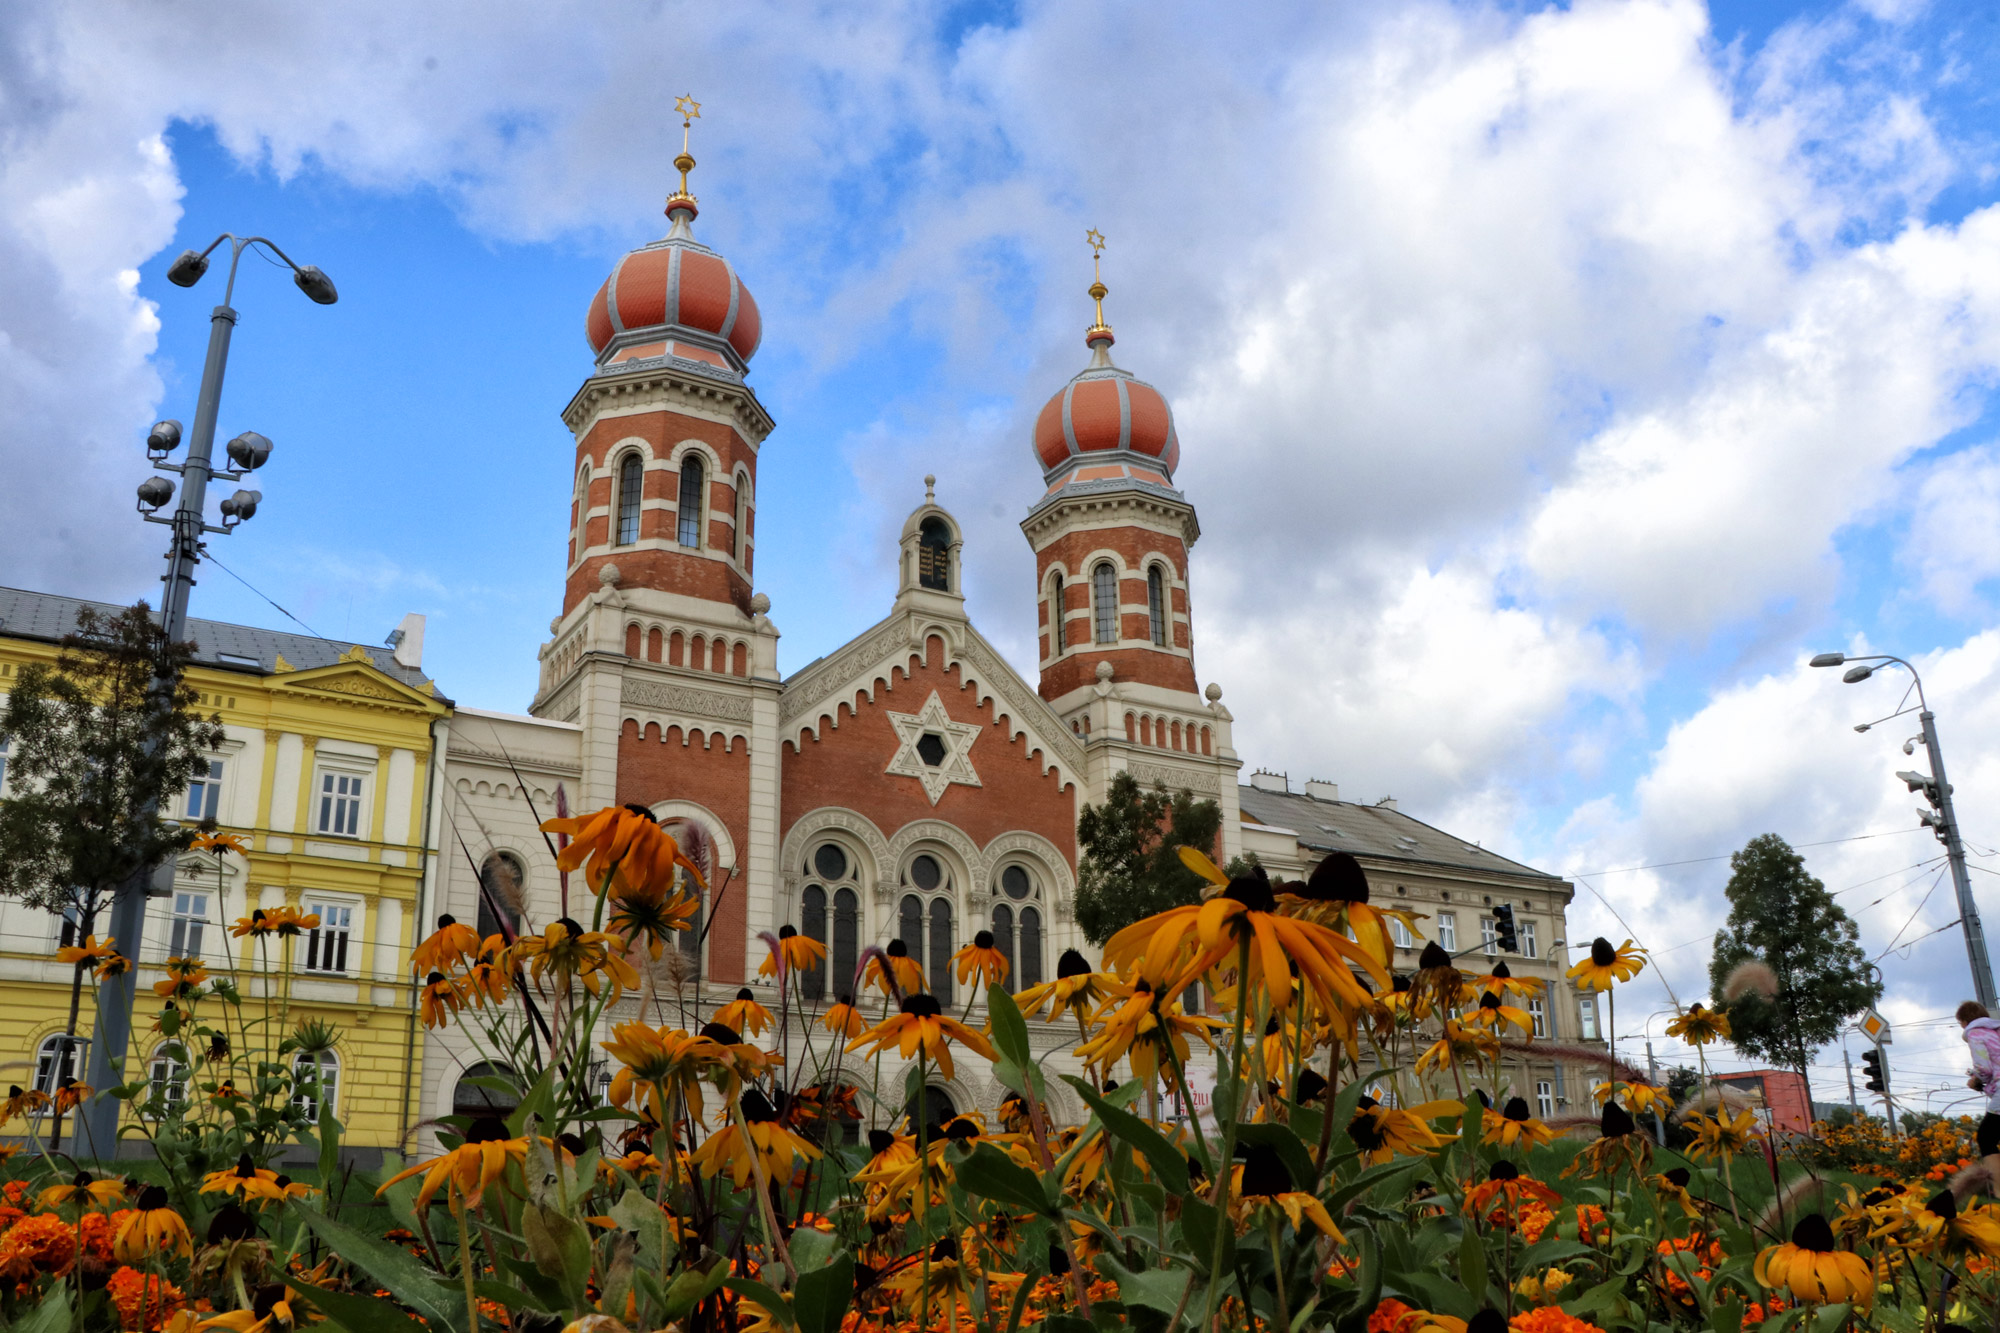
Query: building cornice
[
  {"x": 1086, "y": 505},
  {"x": 663, "y": 384}
]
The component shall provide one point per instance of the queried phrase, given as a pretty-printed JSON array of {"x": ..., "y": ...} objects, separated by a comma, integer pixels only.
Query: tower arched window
[
  {"x": 1017, "y": 926},
  {"x": 940, "y": 951},
  {"x": 812, "y": 924},
  {"x": 631, "y": 474},
  {"x": 691, "y": 488},
  {"x": 830, "y": 912},
  {"x": 1104, "y": 592},
  {"x": 742, "y": 519},
  {"x": 1156, "y": 606},
  {"x": 1057, "y": 631},
  {"x": 1030, "y": 947},
  {"x": 582, "y": 517},
  {"x": 846, "y": 938},
  {"x": 934, "y": 555}
]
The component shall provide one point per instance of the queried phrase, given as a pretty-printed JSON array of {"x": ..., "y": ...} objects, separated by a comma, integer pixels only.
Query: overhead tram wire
[
  {"x": 1893, "y": 939},
  {"x": 266, "y": 596},
  {"x": 1699, "y": 860}
]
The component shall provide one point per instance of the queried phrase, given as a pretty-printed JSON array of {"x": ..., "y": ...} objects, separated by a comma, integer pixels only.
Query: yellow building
[{"x": 327, "y": 774}]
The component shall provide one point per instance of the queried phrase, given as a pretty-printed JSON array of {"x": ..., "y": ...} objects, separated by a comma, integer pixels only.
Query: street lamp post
[
  {"x": 189, "y": 523},
  {"x": 1944, "y": 822}
]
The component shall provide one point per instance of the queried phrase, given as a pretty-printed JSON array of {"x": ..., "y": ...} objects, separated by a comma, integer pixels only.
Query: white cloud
[{"x": 1954, "y": 536}]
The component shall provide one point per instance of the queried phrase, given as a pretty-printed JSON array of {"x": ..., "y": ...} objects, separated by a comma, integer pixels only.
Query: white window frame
[
  {"x": 328, "y": 1081},
  {"x": 51, "y": 1068},
  {"x": 1400, "y": 934},
  {"x": 1540, "y": 1013},
  {"x": 330, "y": 796},
  {"x": 189, "y": 919},
  {"x": 168, "y": 1076},
  {"x": 203, "y": 798},
  {"x": 1527, "y": 933},
  {"x": 1586, "y": 1015},
  {"x": 313, "y": 946},
  {"x": 1448, "y": 931},
  {"x": 1545, "y": 1098},
  {"x": 1489, "y": 936}
]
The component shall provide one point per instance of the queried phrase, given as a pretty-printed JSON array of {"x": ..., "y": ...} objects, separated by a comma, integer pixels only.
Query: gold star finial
[
  {"x": 690, "y": 112},
  {"x": 1098, "y": 291}
]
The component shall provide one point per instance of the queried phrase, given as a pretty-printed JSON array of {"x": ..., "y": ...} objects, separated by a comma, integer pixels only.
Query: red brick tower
[{"x": 663, "y": 655}]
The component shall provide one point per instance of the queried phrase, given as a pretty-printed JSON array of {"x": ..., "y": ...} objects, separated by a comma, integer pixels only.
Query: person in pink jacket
[{"x": 1982, "y": 1036}]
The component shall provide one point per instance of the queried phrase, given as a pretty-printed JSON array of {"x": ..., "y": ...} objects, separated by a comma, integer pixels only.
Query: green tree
[
  {"x": 1131, "y": 865},
  {"x": 93, "y": 764},
  {"x": 1782, "y": 917}
]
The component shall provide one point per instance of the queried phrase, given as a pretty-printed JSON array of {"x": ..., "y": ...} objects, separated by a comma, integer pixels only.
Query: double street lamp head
[
  {"x": 186, "y": 271},
  {"x": 1828, "y": 659},
  {"x": 1852, "y": 676}
]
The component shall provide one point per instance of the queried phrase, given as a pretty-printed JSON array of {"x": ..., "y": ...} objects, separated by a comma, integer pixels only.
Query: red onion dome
[
  {"x": 1107, "y": 423},
  {"x": 675, "y": 297}
]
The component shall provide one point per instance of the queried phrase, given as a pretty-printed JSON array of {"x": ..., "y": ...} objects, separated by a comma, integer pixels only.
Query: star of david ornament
[{"x": 933, "y": 749}]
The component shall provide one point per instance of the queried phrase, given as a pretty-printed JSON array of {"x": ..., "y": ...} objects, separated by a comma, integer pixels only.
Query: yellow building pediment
[{"x": 357, "y": 678}]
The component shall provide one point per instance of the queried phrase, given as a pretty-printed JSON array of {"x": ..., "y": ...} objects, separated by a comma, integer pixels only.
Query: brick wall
[{"x": 708, "y": 769}]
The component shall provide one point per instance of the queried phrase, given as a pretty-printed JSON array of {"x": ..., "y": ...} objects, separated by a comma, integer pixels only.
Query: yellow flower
[
  {"x": 152, "y": 1228},
  {"x": 843, "y": 1018},
  {"x": 1720, "y": 1136},
  {"x": 1170, "y": 949},
  {"x": 790, "y": 952},
  {"x": 1490, "y": 1013},
  {"x": 1810, "y": 1267},
  {"x": 1076, "y": 989},
  {"x": 650, "y": 914},
  {"x": 221, "y": 842},
  {"x": 1699, "y": 1026},
  {"x": 981, "y": 957},
  {"x": 272, "y": 1310},
  {"x": 621, "y": 844},
  {"x": 20, "y": 1103},
  {"x": 257, "y": 925},
  {"x": 84, "y": 1189},
  {"x": 567, "y": 952},
  {"x": 744, "y": 1013},
  {"x": 1266, "y": 1183},
  {"x": 1607, "y": 966},
  {"x": 1502, "y": 981},
  {"x": 758, "y": 1130},
  {"x": 451, "y": 944},
  {"x": 468, "y": 1169},
  {"x": 1382, "y": 1132},
  {"x": 1640, "y": 1098},
  {"x": 652, "y": 1059},
  {"x": 1145, "y": 1026},
  {"x": 1513, "y": 1125},
  {"x": 72, "y": 1093},
  {"x": 923, "y": 1025},
  {"x": 439, "y": 1000},
  {"x": 893, "y": 971},
  {"x": 1457, "y": 1044},
  {"x": 245, "y": 1180},
  {"x": 88, "y": 954}
]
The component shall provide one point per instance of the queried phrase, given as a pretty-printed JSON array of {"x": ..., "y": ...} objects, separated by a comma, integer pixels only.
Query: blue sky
[{"x": 1551, "y": 380}]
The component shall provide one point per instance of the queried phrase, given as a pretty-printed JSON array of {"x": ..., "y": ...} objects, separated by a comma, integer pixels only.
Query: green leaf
[
  {"x": 1344, "y": 1103},
  {"x": 510, "y": 1296},
  {"x": 696, "y": 1285},
  {"x": 1727, "y": 1317},
  {"x": 1156, "y": 1288},
  {"x": 51, "y": 1316},
  {"x": 812, "y": 1248},
  {"x": 1829, "y": 1317},
  {"x": 992, "y": 1174},
  {"x": 1472, "y": 1263},
  {"x": 634, "y": 1211},
  {"x": 408, "y": 1280},
  {"x": 357, "y": 1313},
  {"x": 1198, "y": 1226},
  {"x": 1169, "y": 1167},
  {"x": 1010, "y": 1030},
  {"x": 1391, "y": 1177},
  {"x": 774, "y": 1305},
  {"x": 824, "y": 1293},
  {"x": 559, "y": 1247}
]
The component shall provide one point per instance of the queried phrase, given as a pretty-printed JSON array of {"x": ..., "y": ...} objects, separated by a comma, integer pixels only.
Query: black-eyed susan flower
[
  {"x": 566, "y": 952},
  {"x": 255, "y": 926},
  {"x": 447, "y": 948},
  {"x": 1170, "y": 949},
  {"x": 440, "y": 1000},
  {"x": 1942, "y": 1229},
  {"x": 754, "y": 1129},
  {"x": 274, "y": 1308},
  {"x": 468, "y": 1170},
  {"x": 1811, "y": 1267},
  {"x": 485, "y": 982},
  {"x": 151, "y": 1228},
  {"x": 1673, "y": 1185},
  {"x": 184, "y": 976},
  {"x": 621, "y": 844},
  {"x": 246, "y": 1180},
  {"x": 1501, "y": 981},
  {"x": 1438, "y": 985},
  {"x": 1457, "y": 1044},
  {"x": 84, "y": 1190},
  {"x": 1076, "y": 989},
  {"x": 87, "y": 954},
  {"x": 1720, "y": 1136},
  {"x": 842, "y": 1018},
  {"x": 983, "y": 958},
  {"x": 790, "y": 952},
  {"x": 1618, "y": 1144},
  {"x": 650, "y": 917},
  {"x": 1698, "y": 1026},
  {"x": 1382, "y": 1132},
  {"x": 1147, "y": 1027},
  {"x": 1513, "y": 1125},
  {"x": 655, "y": 1061},
  {"x": 70, "y": 1094},
  {"x": 922, "y": 1025},
  {"x": 1336, "y": 895},
  {"x": 289, "y": 921},
  {"x": 1606, "y": 966},
  {"x": 117, "y": 965},
  {"x": 1638, "y": 1098},
  {"x": 1498, "y": 1198},
  {"x": 1266, "y": 1186},
  {"x": 218, "y": 843},
  {"x": 19, "y": 1103},
  {"x": 1491, "y": 1013},
  {"x": 744, "y": 1013},
  {"x": 893, "y": 971}
]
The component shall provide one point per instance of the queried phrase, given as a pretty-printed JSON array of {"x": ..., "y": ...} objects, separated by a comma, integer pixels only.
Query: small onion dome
[
  {"x": 1106, "y": 425},
  {"x": 675, "y": 297}
]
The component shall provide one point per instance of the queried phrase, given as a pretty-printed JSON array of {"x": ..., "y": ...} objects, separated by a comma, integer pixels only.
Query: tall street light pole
[
  {"x": 1941, "y": 820},
  {"x": 189, "y": 523}
]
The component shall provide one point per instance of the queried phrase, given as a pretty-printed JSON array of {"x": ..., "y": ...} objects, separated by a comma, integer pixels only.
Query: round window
[
  {"x": 925, "y": 873},
  {"x": 830, "y": 861},
  {"x": 1014, "y": 882}
]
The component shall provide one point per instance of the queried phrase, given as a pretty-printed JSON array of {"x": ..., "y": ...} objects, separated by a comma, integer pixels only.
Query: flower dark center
[
  {"x": 447, "y": 920},
  {"x": 570, "y": 926},
  {"x": 983, "y": 940},
  {"x": 921, "y": 1005},
  {"x": 897, "y": 949},
  {"x": 745, "y": 994},
  {"x": 847, "y": 1000},
  {"x": 1489, "y": 1001},
  {"x": 721, "y": 1034},
  {"x": 962, "y": 1129},
  {"x": 1504, "y": 1171},
  {"x": 1400, "y": 984},
  {"x": 880, "y": 1141},
  {"x": 1501, "y": 972},
  {"x": 1601, "y": 952},
  {"x": 1311, "y": 1085},
  {"x": 1812, "y": 1233},
  {"x": 83, "y": 1180},
  {"x": 945, "y": 1249},
  {"x": 641, "y": 811},
  {"x": 1678, "y": 1177},
  {"x": 486, "y": 1129},
  {"x": 152, "y": 1197},
  {"x": 1072, "y": 964},
  {"x": 1365, "y": 1130},
  {"x": 1253, "y": 891},
  {"x": 1615, "y": 1123},
  {"x": 1488, "y": 1320},
  {"x": 757, "y": 1108},
  {"x": 1944, "y": 1205},
  {"x": 787, "y": 931},
  {"x": 1337, "y": 879},
  {"x": 245, "y": 1168},
  {"x": 1432, "y": 957},
  {"x": 1264, "y": 1172},
  {"x": 1516, "y": 1109},
  {"x": 434, "y": 978}
]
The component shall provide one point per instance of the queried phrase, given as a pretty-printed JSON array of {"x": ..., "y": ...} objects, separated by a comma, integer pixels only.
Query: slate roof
[
  {"x": 1374, "y": 831},
  {"x": 246, "y": 648}
]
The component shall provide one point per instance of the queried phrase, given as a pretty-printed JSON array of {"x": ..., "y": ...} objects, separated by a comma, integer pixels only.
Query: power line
[
  {"x": 261, "y": 593},
  {"x": 1698, "y": 860}
]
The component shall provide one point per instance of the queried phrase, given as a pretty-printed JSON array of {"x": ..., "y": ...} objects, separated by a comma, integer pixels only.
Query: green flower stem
[
  {"x": 1278, "y": 1272},
  {"x": 1223, "y": 1227},
  {"x": 465, "y": 1259}
]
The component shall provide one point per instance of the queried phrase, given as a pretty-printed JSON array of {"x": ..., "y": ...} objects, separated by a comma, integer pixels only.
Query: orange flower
[
  {"x": 1550, "y": 1319},
  {"x": 923, "y": 1025},
  {"x": 44, "y": 1242},
  {"x": 621, "y": 843}
]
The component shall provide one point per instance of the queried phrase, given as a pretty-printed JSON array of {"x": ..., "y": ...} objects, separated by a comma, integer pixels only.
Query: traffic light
[
  {"x": 1503, "y": 920},
  {"x": 1871, "y": 1066}
]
